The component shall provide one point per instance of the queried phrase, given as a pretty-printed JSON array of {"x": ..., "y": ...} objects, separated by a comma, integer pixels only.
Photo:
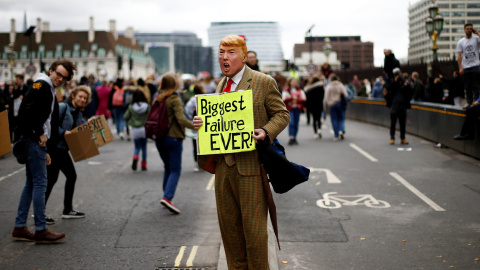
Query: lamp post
[
  {"x": 310, "y": 39},
  {"x": 434, "y": 26},
  {"x": 11, "y": 58},
  {"x": 327, "y": 48}
]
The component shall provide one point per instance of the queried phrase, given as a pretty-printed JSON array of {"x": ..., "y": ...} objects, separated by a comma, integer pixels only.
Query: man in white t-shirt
[{"x": 469, "y": 63}]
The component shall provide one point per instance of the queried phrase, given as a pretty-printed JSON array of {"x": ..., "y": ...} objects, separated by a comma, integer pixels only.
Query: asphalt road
[{"x": 367, "y": 205}]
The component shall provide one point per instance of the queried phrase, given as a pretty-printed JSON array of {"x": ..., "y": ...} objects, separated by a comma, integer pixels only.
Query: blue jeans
[
  {"x": 337, "y": 115},
  {"x": 118, "y": 113},
  {"x": 170, "y": 150},
  {"x": 293, "y": 125},
  {"x": 140, "y": 144},
  {"x": 35, "y": 188},
  {"x": 472, "y": 83}
]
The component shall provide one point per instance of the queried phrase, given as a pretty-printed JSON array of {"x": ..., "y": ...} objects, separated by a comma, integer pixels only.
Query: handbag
[
  {"x": 282, "y": 173},
  {"x": 20, "y": 150}
]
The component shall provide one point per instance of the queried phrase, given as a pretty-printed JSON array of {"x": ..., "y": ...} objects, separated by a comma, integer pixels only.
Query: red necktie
[{"x": 229, "y": 86}]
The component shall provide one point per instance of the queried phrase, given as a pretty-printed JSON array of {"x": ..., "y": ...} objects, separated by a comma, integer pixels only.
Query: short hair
[
  {"x": 83, "y": 88},
  {"x": 20, "y": 76},
  {"x": 415, "y": 75},
  {"x": 235, "y": 41},
  {"x": 67, "y": 64},
  {"x": 467, "y": 24},
  {"x": 252, "y": 52}
]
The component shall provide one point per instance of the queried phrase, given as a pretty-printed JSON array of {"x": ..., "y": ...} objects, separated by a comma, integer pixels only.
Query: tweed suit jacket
[{"x": 269, "y": 112}]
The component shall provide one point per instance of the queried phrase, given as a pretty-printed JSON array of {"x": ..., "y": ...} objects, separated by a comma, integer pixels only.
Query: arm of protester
[{"x": 180, "y": 115}]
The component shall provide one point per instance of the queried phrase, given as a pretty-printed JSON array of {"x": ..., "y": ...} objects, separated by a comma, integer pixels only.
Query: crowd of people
[{"x": 43, "y": 111}]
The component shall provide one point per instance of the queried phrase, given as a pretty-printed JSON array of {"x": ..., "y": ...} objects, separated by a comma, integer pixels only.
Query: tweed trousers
[{"x": 242, "y": 215}]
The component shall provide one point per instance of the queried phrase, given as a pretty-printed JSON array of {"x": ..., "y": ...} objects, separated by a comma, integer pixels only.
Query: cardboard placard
[
  {"x": 82, "y": 145},
  {"x": 100, "y": 130},
  {"x": 5, "y": 146}
]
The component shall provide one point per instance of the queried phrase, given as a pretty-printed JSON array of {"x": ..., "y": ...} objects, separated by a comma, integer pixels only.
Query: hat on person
[{"x": 396, "y": 71}]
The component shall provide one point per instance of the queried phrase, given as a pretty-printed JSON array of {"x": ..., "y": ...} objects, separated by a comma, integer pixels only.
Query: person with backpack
[
  {"x": 70, "y": 115},
  {"x": 136, "y": 117},
  {"x": 117, "y": 107},
  {"x": 294, "y": 98},
  {"x": 170, "y": 147}
]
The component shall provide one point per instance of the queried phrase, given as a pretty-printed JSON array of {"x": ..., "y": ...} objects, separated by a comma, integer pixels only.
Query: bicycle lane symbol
[{"x": 331, "y": 201}]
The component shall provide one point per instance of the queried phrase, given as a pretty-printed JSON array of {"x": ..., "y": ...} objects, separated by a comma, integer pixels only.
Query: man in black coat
[
  {"x": 15, "y": 94},
  {"x": 456, "y": 88},
  {"x": 38, "y": 123},
  {"x": 399, "y": 93}
]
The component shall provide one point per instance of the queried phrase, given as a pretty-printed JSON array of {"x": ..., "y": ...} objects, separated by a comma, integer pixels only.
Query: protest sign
[
  {"x": 228, "y": 123},
  {"x": 81, "y": 145},
  {"x": 5, "y": 146},
  {"x": 101, "y": 132}
]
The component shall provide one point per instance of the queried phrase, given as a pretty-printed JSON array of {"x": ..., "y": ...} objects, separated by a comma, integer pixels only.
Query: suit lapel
[{"x": 246, "y": 80}]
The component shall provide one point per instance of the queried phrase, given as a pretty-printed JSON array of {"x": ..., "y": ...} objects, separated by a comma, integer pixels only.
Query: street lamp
[
  {"x": 434, "y": 26},
  {"x": 310, "y": 39},
  {"x": 327, "y": 48},
  {"x": 11, "y": 58}
]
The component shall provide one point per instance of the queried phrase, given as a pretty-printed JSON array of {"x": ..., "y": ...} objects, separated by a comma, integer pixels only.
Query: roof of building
[{"x": 68, "y": 39}]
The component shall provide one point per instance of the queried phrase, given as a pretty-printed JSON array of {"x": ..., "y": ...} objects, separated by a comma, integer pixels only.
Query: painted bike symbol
[{"x": 332, "y": 201}]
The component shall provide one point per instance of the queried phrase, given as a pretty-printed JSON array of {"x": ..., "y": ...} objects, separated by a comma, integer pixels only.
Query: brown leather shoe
[
  {"x": 392, "y": 141},
  {"x": 403, "y": 141},
  {"x": 22, "y": 234},
  {"x": 48, "y": 236}
]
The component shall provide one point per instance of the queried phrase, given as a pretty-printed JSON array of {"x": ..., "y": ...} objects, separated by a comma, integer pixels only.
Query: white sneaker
[
  {"x": 121, "y": 136},
  {"x": 315, "y": 136},
  {"x": 341, "y": 135}
]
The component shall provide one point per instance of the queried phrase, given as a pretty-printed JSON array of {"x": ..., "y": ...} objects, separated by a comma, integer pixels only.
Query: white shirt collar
[{"x": 236, "y": 79}]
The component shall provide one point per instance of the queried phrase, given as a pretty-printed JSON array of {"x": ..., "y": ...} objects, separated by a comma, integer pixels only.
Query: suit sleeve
[{"x": 278, "y": 115}]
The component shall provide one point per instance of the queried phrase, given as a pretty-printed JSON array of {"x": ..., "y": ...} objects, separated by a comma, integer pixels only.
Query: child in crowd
[{"x": 136, "y": 116}]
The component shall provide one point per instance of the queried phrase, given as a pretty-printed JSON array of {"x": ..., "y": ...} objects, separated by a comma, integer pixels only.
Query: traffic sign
[
  {"x": 311, "y": 68},
  {"x": 30, "y": 69}
]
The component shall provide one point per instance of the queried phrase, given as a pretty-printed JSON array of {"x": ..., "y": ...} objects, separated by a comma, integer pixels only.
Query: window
[
  {"x": 445, "y": 14},
  {"x": 94, "y": 47},
  {"x": 458, "y": 22},
  {"x": 76, "y": 47},
  {"x": 458, "y": 14},
  {"x": 67, "y": 53},
  {"x": 84, "y": 53},
  {"x": 473, "y": 5},
  {"x": 101, "y": 52},
  {"x": 41, "y": 48},
  {"x": 458, "y": 5},
  {"x": 443, "y": 5},
  {"x": 473, "y": 13}
]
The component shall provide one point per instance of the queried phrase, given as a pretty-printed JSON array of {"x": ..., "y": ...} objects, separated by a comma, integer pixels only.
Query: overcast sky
[{"x": 383, "y": 22}]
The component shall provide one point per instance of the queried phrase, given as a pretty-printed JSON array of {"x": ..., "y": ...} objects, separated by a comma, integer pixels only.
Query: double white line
[{"x": 190, "y": 259}]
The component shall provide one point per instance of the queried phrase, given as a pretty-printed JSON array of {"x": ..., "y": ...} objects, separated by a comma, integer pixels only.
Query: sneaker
[
  {"x": 169, "y": 205},
  {"x": 73, "y": 214},
  {"x": 341, "y": 135},
  {"x": 403, "y": 141},
  {"x": 392, "y": 141},
  {"x": 319, "y": 135},
  {"x": 291, "y": 142},
  {"x": 134, "y": 162},
  {"x": 315, "y": 136},
  {"x": 335, "y": 139},
  {"x": 50, "y": 220},
  {"x": 22, "y": 234},
  {"x": 121, "y": 136},
  {"x": 47, "y": 236},
  {"x": 144, "y": 165}
]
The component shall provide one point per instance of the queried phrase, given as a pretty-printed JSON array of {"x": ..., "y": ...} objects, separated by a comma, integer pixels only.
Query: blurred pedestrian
[
  {"x": 418, "y": 87},
  {"x": 136, "y": 117},
  {"x": 38, "y": 121},
  {"x": 16, "y": 92},
  {"x": 469, "y": 63},
  {"x": 103, "y": 92},
  {"x": 377, "y": 90},
  {"x": 315, "y": 93},
  {"x": 294, "y": 98},
  {"x": 398, "y": 98},
  {"x": 117, "y": 105},
  {"x": 389, "y": 63},
  {"x": 468, "y": 127},
  {"x": 435, "y": 92},
  {"x": 456, "y": 89},
  {"x": 146, "y": 92},
  {"x": 170, "y": 147},
  {"x": 333, "y": 105},
  {"x": 252, "y": 60},
  {"x": 70, "y": 116},
  {"x": 190, "y": 112}
]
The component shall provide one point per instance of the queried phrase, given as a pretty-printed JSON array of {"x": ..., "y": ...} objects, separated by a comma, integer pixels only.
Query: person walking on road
[
  {"x": 190, "y": 112},
  {"x": 239, "y": 192},
  {"x": 294, "y": 98},
  {"x": 469, "y": 63},
  {"x": 37, "y": 115},
  {"x": 315, "y": 94},
  {"x": 333, "y": 105},
  {"x": 70, "y": 115},
  {"x": 136, "y": 116},
  {"x": 399, "y": 94},
  {"x": 170, "y": 147},
  {"x": 103, "y": 92}
]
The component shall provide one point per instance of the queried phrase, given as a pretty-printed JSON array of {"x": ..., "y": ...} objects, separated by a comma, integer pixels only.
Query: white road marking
[
  {"x": 95, "y": 163},
  {"x": 365, "y": 154},
  {"x": 211, "y": 182},
  {"x": 331, "y": 178},
  {"x": 415, "y": 191},
  {"x": 11, "y": 174},
  {"x": 192, "y": 256},
  {"x": 178, "y": 260}
]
